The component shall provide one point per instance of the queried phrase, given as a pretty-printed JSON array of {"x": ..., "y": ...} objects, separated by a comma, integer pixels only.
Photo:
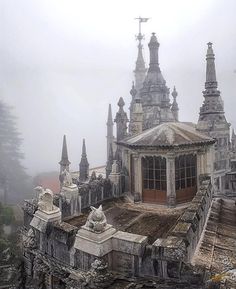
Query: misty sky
[{"x": 63, "y": 61}]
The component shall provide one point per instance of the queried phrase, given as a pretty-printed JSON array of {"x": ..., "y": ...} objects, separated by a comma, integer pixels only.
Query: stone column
[
  {"x": 170, "y": 175},
  {"x": 137, "y": 178}
]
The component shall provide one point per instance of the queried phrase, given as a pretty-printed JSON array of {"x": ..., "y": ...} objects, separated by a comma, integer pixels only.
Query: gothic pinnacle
[
  {"x": 84, "y": 165},
  {"x": 210, "y": 68},
  {"x": 153, "y": 47},
  {"x": 64, "y": 154},
  {"x": 109, "y": 118}
]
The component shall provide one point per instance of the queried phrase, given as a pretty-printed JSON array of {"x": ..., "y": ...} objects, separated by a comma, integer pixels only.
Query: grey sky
[{"x": 62, "y": 62}]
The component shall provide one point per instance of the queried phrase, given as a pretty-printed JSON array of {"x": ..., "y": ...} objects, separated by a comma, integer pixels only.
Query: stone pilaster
[{"x": 170, "y": 174}]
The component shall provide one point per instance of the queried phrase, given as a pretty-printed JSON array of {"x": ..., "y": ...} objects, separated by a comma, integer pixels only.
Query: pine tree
[{"x": 12, "y": 174}]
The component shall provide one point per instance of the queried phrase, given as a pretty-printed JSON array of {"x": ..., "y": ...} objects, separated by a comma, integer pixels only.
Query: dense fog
[{"x": 62, "y": 62}]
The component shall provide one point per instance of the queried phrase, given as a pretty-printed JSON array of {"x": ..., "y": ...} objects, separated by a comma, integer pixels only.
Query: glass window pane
[
  {"x": 145, "y": 184},
  {"x": 145, "y": 174},
  {"x": 182, "y": 173},
  {"x": 151, "y": 174},
  {"x": 188, "y": 171},
  {"x": 163, "y": 185},
  {"x": 157, "y": 174},
  {"x": 157, "y": 162},
  {"x": 182, "y": 183},
  {"x": 189, "y": 183},
  {"x": 158, "y": 185},
  {"x": 151, "y": 184}
]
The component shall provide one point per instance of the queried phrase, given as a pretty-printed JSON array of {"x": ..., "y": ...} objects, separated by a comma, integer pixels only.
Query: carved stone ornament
[
  {"x": 45, "y": 203},
  {"x": 96, "y": 220},
  {"x": 66, "y": 178},
  {"x": 30, "y": 240}
]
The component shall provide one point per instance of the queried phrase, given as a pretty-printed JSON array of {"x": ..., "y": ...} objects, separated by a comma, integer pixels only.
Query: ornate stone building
[{"x": 143, "y": 224}]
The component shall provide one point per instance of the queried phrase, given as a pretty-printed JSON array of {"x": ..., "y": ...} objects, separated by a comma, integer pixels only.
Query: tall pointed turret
[
  {"x": 154, "y": 93},
  {"x": 64, "y": 162},
  {"x": 212, "y": 121},
  {"x": 84, "y": 165},
  {"x": 211, "y": 82},
  {"x": 175, "y": 107},
  {"x": 110, "y": 124},
  {"x": 212, "y": 109}
]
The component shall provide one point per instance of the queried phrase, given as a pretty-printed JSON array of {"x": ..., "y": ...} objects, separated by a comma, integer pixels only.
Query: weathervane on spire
[{"x": 141, "y": 20}]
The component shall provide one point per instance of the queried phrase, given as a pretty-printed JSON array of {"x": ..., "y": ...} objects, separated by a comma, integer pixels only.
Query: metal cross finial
[{"x": 141, "y": 20}]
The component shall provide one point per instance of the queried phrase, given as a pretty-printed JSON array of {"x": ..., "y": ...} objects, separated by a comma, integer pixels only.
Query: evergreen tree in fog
[{"x": 13, "y": 178}]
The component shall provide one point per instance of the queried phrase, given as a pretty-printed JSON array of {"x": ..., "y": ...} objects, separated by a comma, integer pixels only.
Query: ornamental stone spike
[
  {"x": 210, "y": 68},
  {"x": 64, "y": 162},
  {"x": 175, "y": 107},
  {"x": 121, "y": 121},
  {"x": 154, "y": 58},
  {"x": 84, "y": 165}
]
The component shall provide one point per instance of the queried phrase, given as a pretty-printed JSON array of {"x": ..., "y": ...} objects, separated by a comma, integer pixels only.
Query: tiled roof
[{"x": 168, "y": 135}]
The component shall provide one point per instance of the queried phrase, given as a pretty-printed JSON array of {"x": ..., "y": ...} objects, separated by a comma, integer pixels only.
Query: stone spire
[
  {"x": 211, "y": 83},
  {"x": 64, "y": 162},
  {"x": 140, "y": 69},
  {"x": 121, "y": 121},
  {"x": 212, "y": 119},
  {"x": 154, "y": 93},
  {"x": 175, "y": 107},
  {"x": 84, "y": 165},
  {"x": 213, "y": 104},
  {"x": 110, "y": 124}
]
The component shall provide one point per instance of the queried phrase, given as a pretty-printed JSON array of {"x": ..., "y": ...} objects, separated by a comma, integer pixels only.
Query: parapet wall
[{"x": 180, "y": 244}]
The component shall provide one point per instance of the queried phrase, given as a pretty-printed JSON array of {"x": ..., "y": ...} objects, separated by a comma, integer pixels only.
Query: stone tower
[
  {"x": 64, "y": 162},
  {"x": 175, "y": 107},
  {"x": 212, "y": 121},
  {"x": 110, "y": 136},
  {"x": 155, "y": 94},
  {"x": 84, "y": 165}
]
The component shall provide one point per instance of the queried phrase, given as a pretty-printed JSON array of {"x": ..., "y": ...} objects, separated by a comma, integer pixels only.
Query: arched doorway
[{"x": 154, "y": 179}]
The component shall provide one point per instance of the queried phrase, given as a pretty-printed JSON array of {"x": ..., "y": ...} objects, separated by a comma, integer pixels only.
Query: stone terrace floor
[
  {"x": 143, "y": 219},
  {"x": 217, "y": 248}
]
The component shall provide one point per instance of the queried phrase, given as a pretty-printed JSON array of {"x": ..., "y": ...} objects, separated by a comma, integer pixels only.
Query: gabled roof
[{"x": 168, "y": 134}]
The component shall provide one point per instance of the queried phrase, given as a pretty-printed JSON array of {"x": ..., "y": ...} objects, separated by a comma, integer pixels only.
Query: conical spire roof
[{"x": 64, "y": 155}]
